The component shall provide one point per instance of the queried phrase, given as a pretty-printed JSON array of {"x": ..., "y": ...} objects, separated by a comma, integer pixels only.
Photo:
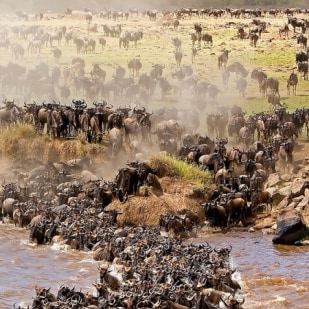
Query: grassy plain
[{"x": 274, "y": 55}]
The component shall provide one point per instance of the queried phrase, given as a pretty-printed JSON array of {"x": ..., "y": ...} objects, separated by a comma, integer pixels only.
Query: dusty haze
[{"x": 36, "y": 6}]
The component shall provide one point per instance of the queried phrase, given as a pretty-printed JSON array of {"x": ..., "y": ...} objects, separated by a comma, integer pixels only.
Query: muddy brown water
[{"x": 270, "y": 276}]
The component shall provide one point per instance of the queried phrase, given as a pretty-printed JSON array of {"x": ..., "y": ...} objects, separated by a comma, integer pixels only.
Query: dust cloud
[{"x": 37, "y": 6}]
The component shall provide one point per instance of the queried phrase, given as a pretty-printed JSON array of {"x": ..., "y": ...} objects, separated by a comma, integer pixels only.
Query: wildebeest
[
  {"x": 237, "y": 68},
  {"x": 9, "y": 113},
  {"x": 301, "y": 56},
  {"x": 213, "y": 91},
  {"x": 176, "y": 24},
  {"x": 195, "y": 38},
  {"x": 107, "y": 278},
  {"x": 303, "y": 68},
  {"x": 245, "y": 136},
  {"x": 284, "y": 30},
  {"x": 297, "y": 23},
  {"x": 57, "y": 54},
  {"x": 116, "y": 140},
  {"x": 124, "y": 39},
  {"x": 168, "y": 143},
  {"x": 177, "y": 43},
  {"x": 236, "y": 210},
  {"x": 178, "y": 57},
  {"x": 134, "y": 65},
  {"x": 207, "y": 39},
  {"x": 259, "y": 76},
  {"x": 216, "y": 214},
  {"x": 253, "y": 39},
  {"x": 302, "y": 40},
  {"x": 156, "y": 71},
  {"x": 241, "y": 85},
  {"x": 285, "y": 153},
  {"x": 198, "y": 28},
  {"x": 271, "y": 84},
  {"x": 292, "y": 81},
  {"x": 222, "y": 59},
  {"x": 241, "y": 33},
  {"x": 261, "y": 197},
  {"x": 8, "y": 206},
  {"x": 102, "y": 42},
  {"x": 274, "y": 100},
  {"x": 193, "y": 54}
]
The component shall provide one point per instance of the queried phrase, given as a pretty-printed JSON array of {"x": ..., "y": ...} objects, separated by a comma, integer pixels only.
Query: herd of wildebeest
[{"x": 54, "y": 201}]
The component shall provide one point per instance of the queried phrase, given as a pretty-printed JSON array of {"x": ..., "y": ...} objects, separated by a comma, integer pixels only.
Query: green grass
[{"x": 184, "y": 170}]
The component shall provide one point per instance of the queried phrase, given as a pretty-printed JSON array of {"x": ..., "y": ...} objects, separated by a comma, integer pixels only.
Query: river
[{"x": 271, "y": 276}]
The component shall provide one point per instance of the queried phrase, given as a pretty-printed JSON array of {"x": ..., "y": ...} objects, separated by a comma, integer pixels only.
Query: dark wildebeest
[
  {"x": 176, "y": 24},
  {"x": 177, "y": 43},
  {"x": 195, "y": 38},
  {"x": 259, "y": 76},
  {"x": 134, "y": 65},
  {"x": 302, "y": 40},
  {"x": 284, "y": 30},
  {"x": 270, "y": 83},
  {"x": 198, "y": 28},
  {"x": 237, "y": 68},
  {"x": 178, "y": 57},
  {"x": 241, "y": 33},
  {"x": 207, "y": 39},
  {"x": 193, "y": 54},
  {"x": 292, "y": 81},
  {"x": 301, "y": 56},
  {"x": 274, "y": 100},
  {"x": 222, "y": 59},
  {"x": 303, "y": 67},
  {"x": 253, "y": 39},
  {"x": 241, "y": 85}
]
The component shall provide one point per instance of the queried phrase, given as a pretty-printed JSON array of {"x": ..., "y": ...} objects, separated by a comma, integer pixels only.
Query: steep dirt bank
[{"x": 168, "y": 195}]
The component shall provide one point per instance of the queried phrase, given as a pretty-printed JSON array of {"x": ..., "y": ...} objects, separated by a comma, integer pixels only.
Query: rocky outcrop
[{"x": 291, "y": 227}]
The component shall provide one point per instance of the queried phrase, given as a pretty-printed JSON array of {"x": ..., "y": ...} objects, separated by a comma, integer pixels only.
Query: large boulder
[{"x": 291, "y": 227}]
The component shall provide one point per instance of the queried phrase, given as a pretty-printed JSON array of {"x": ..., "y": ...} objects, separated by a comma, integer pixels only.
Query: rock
[
  {"x": 303, "y": 203},
  {"x": 277, "y": 197},
  {"x": 267, "y": 231},
  {"x": 266, "y": 223},
  {"x": 298, "y": 199},
  {"x": 291, "y": 227},
  {"x": 284, "y": 203},
  {"x": 251, "y": 230},
  {"x": 286, "y": 177},
  {"x": 302, "y": 243},
  {"x": 273, "y": 179},
  {"x": 297, "y": 185},
  {"x": 285, "y": 191},
  {"x": 272, "y": 190},
  {"x": 88, "y": 176},
  {"x": 296, "y": 168}
]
